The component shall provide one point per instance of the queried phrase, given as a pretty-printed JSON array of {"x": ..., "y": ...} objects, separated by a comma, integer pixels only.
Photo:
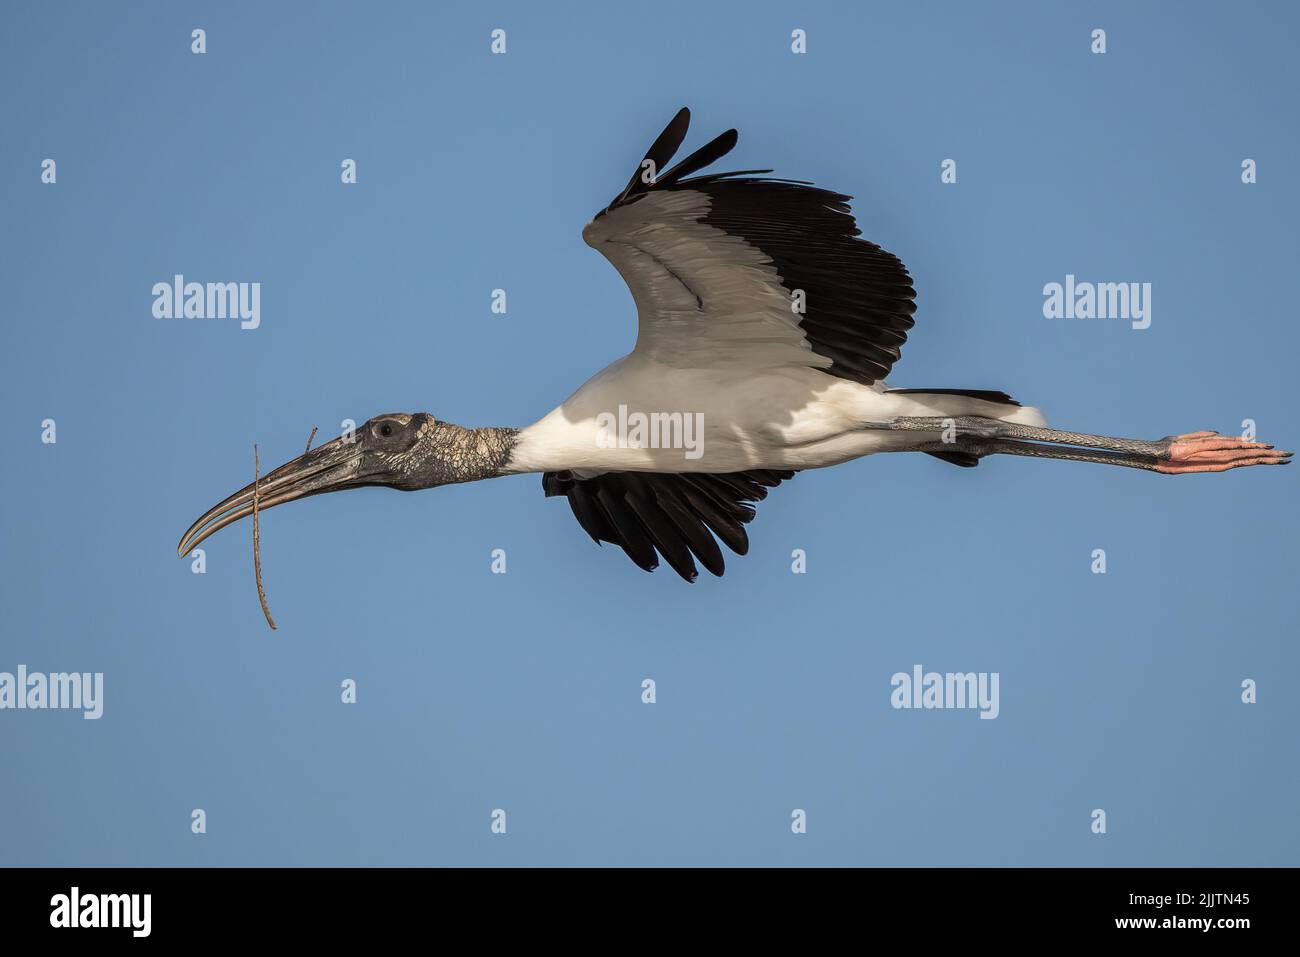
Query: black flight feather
[
  {"x": 661, "y": 151},
  {"x": 710, "y": 152},
  {"x": 648, "y": 514}
]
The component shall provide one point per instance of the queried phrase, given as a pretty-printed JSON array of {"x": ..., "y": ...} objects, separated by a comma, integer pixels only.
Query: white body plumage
[{"x": 794, "y": 418}]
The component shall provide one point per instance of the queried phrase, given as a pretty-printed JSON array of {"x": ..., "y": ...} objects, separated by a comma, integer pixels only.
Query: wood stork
[{"x": 764, "y": 318}]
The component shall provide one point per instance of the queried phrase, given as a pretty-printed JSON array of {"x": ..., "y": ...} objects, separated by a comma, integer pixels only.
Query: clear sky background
[{"x": 523, "y": 691}]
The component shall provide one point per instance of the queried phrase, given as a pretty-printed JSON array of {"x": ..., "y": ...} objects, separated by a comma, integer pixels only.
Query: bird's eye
[{"x": 386, "y": 429}]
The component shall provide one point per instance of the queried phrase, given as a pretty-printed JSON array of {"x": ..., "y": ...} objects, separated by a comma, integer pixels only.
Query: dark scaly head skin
[{"x": 401, "y": 450}]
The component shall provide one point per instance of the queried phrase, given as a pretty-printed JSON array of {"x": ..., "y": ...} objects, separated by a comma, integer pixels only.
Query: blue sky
[{"x": 522, "y": 691}]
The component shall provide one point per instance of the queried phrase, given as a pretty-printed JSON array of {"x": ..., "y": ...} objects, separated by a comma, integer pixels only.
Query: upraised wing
[{"x": 738, "y": 270}]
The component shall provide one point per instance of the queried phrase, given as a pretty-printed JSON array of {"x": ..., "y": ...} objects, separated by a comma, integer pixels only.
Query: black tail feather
[
  {"x": 987, "y": 395},
  {"x": 967, "y": 460}
]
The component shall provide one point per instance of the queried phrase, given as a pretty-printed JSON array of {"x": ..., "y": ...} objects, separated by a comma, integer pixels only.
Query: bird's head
[{"x": 401, "y": 450}]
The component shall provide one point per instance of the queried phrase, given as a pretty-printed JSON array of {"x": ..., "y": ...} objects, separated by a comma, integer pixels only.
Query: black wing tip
[
  {"x": 688, "y": 577},
  {"x": 663, "y": 149},
  {"x": 677, "y": 518},
  {"x": 659, "y": 154}
]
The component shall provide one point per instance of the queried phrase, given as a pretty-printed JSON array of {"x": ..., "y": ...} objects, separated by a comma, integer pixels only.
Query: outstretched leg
[{"x": 1172, "y": 455}]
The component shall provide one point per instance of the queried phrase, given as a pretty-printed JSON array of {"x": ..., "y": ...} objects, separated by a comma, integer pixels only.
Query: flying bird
[{"x": 766, "y": 330}]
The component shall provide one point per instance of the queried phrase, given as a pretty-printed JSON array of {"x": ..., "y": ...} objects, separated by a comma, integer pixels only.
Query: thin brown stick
[
  {"x": 309, "y": 438},
  {"x": 257, "y": 555}
]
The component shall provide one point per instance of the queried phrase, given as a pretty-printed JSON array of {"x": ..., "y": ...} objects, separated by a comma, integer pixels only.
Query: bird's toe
[{"x": 1211, "y": 452}]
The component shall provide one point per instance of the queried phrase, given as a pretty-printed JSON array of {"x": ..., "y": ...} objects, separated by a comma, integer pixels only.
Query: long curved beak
[{"x": 329, "y": 468}]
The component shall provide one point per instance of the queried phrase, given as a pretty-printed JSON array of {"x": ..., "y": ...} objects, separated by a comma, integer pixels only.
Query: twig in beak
[{"x": 257, "y": 555}]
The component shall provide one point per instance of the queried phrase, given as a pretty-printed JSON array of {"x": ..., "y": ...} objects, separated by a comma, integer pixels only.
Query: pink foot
[{"x": 1211, "y": 452}]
